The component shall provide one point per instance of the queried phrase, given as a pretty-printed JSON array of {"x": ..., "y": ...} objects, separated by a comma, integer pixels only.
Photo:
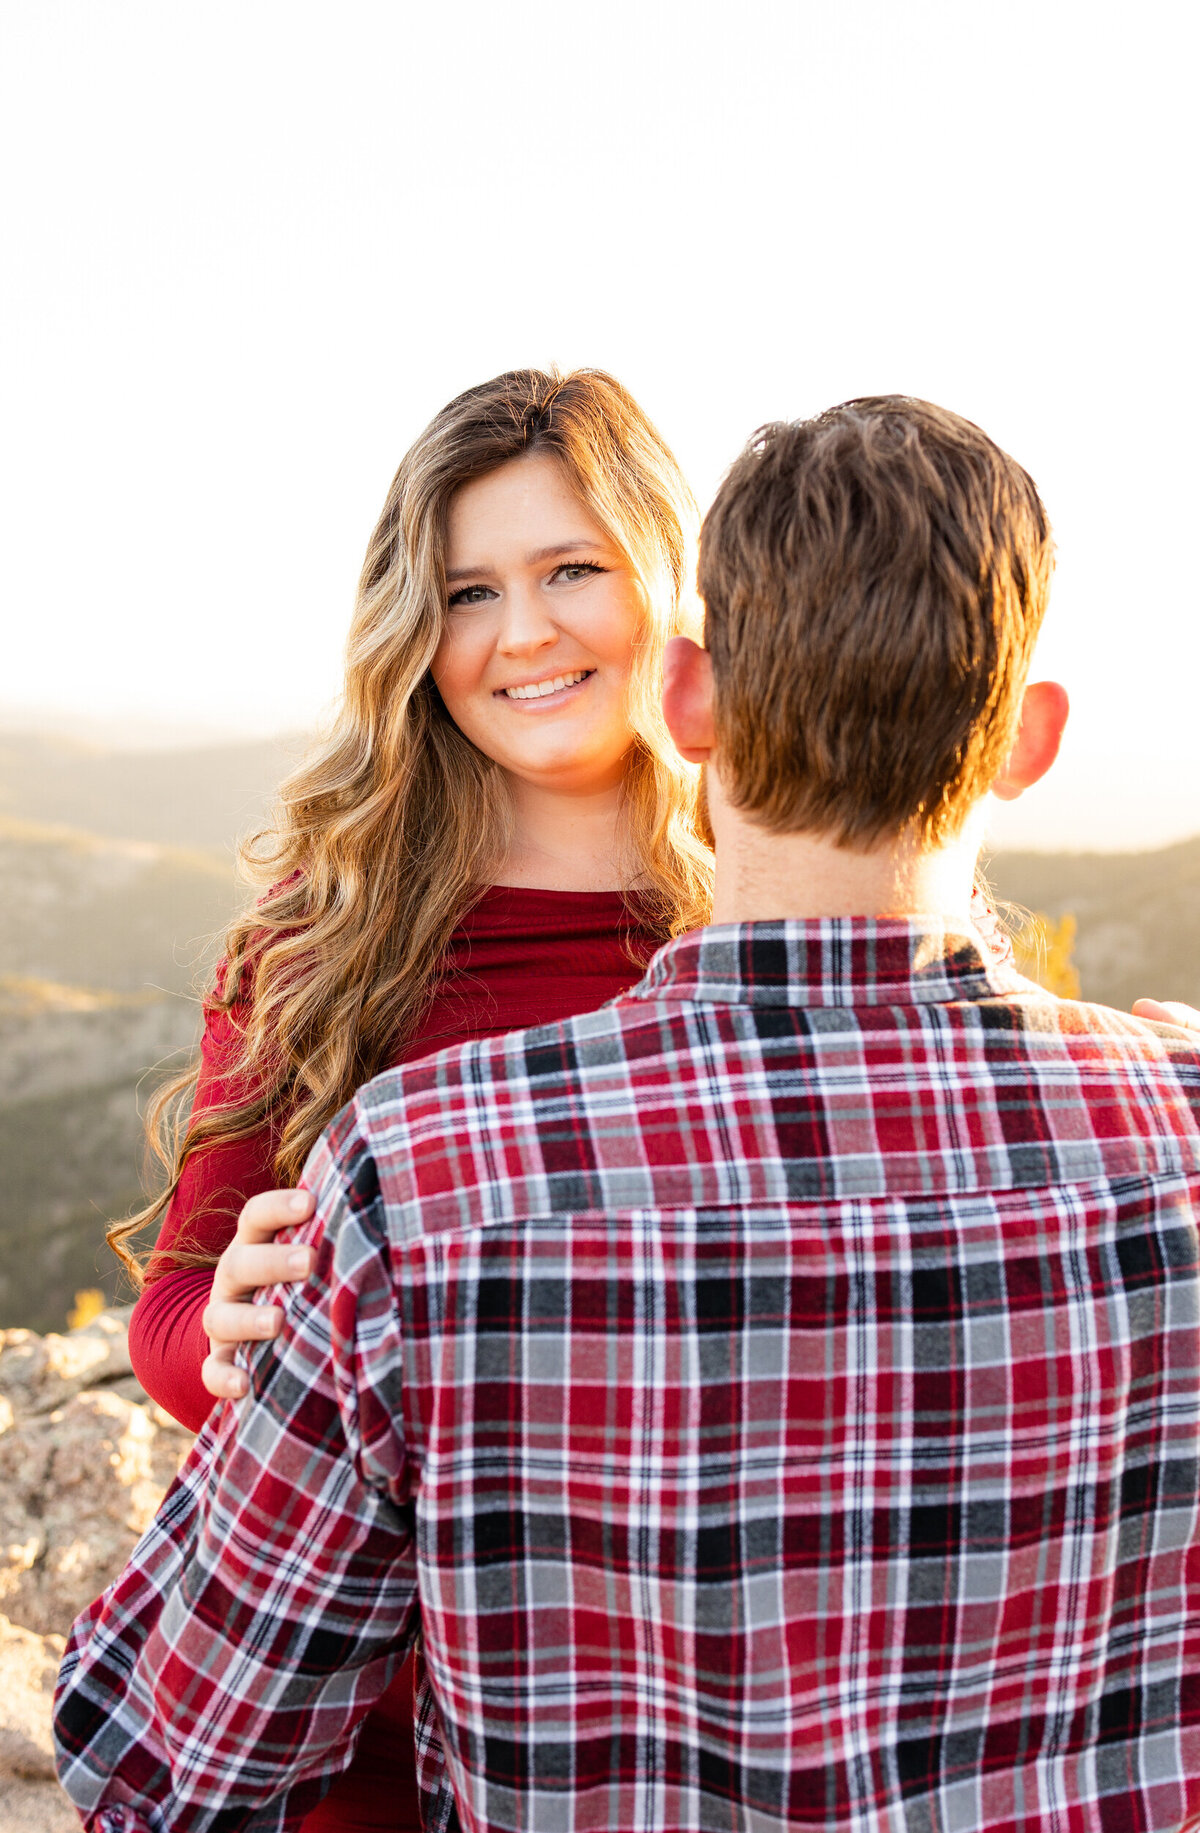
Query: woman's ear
[
  {"x": 1043, "y": 715},
  {"x": 688, "y": 698}
]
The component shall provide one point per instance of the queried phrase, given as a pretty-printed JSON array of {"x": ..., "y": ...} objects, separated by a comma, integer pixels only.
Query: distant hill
[
  {"x": 204, "y": 797},
  {"x": 118, "y": 869},
  {"x": 101, "y": 945},
  {"x": 72, "y": 1161},
  {"x": 118, "y": 874},
  {"x": 1138, "y": 916},
  {"x": 120, "y": 915}
]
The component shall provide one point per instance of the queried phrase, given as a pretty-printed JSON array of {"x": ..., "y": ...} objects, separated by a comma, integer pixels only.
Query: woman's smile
[{"x": 555, "y": 690}]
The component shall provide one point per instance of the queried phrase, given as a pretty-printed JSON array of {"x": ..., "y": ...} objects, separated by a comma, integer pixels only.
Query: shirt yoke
[{"x": 696, "y": 1103}]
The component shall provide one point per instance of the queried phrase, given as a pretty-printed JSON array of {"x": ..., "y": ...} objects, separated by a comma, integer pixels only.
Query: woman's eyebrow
[
  {"x": 561, "y": 547},
  {"x": 538, "y": 555}
]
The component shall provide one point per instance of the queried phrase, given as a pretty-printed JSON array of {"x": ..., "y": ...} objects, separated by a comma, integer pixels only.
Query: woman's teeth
[{"x": 538, "y": 689}]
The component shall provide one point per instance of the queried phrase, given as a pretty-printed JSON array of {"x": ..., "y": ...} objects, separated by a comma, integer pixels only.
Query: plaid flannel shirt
[{"x": 775, "y": 1395}]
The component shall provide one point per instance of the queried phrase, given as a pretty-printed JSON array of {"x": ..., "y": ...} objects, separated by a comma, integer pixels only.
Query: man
[{"x": 777, "y": 1394}]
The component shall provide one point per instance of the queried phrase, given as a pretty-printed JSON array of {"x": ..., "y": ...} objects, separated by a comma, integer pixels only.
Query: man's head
[{"x": 874, "y": 581}]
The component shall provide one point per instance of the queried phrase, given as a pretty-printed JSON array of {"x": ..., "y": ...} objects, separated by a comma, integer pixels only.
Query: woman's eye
[
  {"x": 579, "y": 569},
  {"x": 471, "y": 595}
]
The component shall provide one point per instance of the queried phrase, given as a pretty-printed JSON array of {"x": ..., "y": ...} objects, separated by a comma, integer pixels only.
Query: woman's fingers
[
  {"x": 227, "y": 1325},
  {"x": 1167, "y": 1012},
  {"x": 222, "y": 1378},
  {"x": 251, "y": 1260},
  {"x": 242, "y": 1269},
  {"x": 264, "y": 1215}
]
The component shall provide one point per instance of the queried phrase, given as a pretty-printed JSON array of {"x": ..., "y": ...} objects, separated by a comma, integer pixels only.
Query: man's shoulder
[
  {"x": 1095, "y": 1032},
  {"x": 468, "y": 1133},
  {"x": 1080, "y": 1089}
]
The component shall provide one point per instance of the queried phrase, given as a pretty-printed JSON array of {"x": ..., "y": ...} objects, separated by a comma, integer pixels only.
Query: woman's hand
[
  {"x": 248, "y": 1263},
  {"x": 1167, "y": 1012}
]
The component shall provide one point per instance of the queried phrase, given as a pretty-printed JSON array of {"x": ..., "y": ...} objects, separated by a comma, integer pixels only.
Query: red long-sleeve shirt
[{"x": 519, "y": 958}]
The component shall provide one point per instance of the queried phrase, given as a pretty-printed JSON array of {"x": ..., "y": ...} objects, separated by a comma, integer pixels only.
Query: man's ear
[
  {"x": 1043, "y": 715},
  {"x": 688, "y": 698}
]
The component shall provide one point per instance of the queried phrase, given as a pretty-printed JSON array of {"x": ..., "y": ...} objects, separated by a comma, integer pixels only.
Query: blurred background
[{"x": 251, "y": 248}]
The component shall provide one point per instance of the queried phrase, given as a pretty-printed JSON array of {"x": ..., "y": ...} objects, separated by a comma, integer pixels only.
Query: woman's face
[{"x": 543, "y": 615}]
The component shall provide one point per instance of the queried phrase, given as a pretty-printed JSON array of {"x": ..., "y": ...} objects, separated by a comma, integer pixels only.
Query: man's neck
[{"x": 762, "y": 876}]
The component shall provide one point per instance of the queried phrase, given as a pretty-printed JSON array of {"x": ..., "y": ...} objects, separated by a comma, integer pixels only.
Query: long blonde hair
[{"x": 387, "y": 833}]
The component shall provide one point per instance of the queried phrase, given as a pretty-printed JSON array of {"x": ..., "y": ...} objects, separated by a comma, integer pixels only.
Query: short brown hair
[{"x": 873, "y": 580}]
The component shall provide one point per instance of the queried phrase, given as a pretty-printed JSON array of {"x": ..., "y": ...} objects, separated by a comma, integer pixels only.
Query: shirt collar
[{"x": 833, "y": 961}]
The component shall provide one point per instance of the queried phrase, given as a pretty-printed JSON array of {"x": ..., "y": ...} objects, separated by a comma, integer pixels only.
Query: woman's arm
[
  {"x": 167, "y": 1338},
  {"x": 167, "y": 1343}
]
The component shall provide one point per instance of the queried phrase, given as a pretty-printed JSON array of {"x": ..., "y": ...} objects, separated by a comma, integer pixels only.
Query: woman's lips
[{"x": 529, "y": 699}]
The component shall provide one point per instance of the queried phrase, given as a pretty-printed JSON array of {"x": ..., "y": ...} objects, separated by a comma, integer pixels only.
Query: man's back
[
  {"x": 792, "y": 1374},
  {"x": 798, "y": 1378}
]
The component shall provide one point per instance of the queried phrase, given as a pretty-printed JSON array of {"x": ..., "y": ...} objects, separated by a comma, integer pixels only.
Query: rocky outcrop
[
  {"x": 85, "y": 1456},
  {"x": 35, "y": 1807}
]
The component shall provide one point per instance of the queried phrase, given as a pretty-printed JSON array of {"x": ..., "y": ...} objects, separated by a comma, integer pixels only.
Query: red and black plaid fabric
[{"x": 776, "y": 1397}]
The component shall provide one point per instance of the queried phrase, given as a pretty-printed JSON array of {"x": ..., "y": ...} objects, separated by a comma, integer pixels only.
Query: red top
[{"x": 518, "y": 958}]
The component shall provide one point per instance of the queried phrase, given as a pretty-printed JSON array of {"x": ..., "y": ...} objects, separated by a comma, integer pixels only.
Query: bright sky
[{"x": 254, "y": 246}]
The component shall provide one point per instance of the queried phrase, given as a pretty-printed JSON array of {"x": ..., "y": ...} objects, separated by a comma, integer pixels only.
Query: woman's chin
[{"x": 565, "y": 775}]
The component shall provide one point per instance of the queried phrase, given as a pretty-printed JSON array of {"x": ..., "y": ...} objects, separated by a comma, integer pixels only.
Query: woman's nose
[{"x": 525, "y": 624}]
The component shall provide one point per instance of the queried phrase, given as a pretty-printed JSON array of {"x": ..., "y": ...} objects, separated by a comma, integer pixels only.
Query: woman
[{"x": 497, "y": 832}]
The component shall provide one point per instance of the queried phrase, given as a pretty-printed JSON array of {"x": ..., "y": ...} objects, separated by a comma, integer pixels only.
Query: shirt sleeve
[
  {"x": 218, "y": 1683},
  {"x": 167, "y": 1341}
]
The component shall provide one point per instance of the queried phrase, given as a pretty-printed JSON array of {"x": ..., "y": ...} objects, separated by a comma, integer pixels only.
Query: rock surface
[
  {"x": 29, "y": 1665},
  {"x": 35, "y": 1807},
  {"x": 84, "y": 1458}
]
